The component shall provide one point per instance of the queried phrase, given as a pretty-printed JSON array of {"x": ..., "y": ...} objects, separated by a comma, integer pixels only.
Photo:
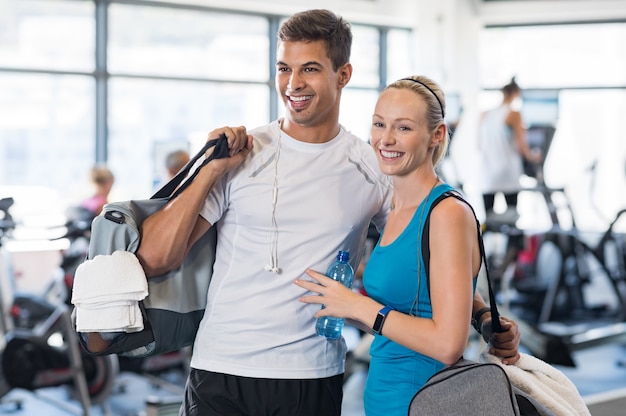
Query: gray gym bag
[
  {"x": 466, "y": 388},
  {"x": 176, "y": 301}
]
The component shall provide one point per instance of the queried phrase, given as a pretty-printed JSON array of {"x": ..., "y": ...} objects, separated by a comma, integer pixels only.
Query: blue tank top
[{"x": 391, "y": 278}]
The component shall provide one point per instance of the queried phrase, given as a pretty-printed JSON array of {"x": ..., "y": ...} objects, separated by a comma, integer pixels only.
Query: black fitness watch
[
  {"x": 380, "y": 319},
  {"x": 476, "y": 323}
]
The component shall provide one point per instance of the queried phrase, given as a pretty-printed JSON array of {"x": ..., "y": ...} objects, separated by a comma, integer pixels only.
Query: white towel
[
  {"x": 107, "y": 291},
  {"x": 110, "y": 318},
  {"x": 543, "y": 382}
]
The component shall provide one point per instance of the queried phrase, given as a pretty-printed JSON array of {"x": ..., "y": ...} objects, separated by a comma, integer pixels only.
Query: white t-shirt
[{"x": 326, "y": 194}]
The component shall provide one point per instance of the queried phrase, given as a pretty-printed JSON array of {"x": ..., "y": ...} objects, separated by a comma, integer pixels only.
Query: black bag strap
[
  {"x": 495, "y": 315},
  {"x": 172, "y": 189}
]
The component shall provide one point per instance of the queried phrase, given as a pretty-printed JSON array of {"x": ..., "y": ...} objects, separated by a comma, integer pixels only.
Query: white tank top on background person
[{"x": 501, "y": 164}]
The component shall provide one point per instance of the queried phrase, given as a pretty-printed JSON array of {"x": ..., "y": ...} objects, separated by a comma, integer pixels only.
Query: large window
[
  {"x": 183, "y": 43},
  {"x": 123, "y": 83},
  {"x": 44, "y": 34},
  {"x": 148, "y": 117},
  {"x": 47, "y": 126},
  {"x": 399, "y": 43},
  {"x": 551, "y": 56},
  {"x": 47, "y": 100},
  {"x": 584, "y": 67},
  {"x": 359, "y": 99},
  {"x": 169, "y": 83}
]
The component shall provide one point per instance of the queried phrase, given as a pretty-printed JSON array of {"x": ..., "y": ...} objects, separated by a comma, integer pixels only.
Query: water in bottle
[{"x": 340, "y": 270}]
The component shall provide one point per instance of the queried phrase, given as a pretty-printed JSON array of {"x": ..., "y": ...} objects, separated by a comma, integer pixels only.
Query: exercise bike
[
  {"x": 40, "y": 347},
  {"x": 546, "y": 285}
]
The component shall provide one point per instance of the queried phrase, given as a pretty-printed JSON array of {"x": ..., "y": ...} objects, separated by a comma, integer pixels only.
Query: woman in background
[{"x": 102, "y": 179}]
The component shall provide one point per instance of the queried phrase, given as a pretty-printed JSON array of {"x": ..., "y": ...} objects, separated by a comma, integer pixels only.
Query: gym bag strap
[
  {"x": 468, "y": 387},
  {"x": 176, "y": 300},
  {"x": 495, "y": 314}
]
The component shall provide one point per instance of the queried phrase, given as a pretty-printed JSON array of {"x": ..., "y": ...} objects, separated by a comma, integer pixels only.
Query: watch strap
[
  {"x": 380, "y": 319},
  {"x": 476, "y": 318}
]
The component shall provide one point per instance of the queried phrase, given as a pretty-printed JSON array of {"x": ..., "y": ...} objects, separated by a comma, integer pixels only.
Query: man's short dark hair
[{"x": 320, "y": 24}]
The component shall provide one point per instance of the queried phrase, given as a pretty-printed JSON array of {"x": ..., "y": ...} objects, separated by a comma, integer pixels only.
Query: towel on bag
[
  {"x": 111, "y": 317},
  {"x": 543, "y": 382},
  {"x": 107, "y": 291}
]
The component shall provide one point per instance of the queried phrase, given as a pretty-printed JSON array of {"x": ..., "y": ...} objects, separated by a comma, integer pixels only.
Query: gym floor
[{"x": 599, "y": 375}]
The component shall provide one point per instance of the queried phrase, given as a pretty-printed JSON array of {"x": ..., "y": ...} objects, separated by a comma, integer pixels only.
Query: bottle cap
[{"x": 343, "y": 255}]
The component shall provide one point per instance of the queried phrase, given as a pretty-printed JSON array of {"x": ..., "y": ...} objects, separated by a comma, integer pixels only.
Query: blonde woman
[{"x": 421, "y": 319}]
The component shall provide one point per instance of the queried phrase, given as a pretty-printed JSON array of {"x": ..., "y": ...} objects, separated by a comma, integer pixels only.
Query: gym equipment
[{"x": 40, "y": 348}]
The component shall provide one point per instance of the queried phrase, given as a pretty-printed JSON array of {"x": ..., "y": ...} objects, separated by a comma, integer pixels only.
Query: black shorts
[{"x": 216, "y": 394}]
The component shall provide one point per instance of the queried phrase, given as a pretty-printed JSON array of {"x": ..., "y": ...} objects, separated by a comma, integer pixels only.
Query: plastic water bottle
[{"x": 340, "y": 270}]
